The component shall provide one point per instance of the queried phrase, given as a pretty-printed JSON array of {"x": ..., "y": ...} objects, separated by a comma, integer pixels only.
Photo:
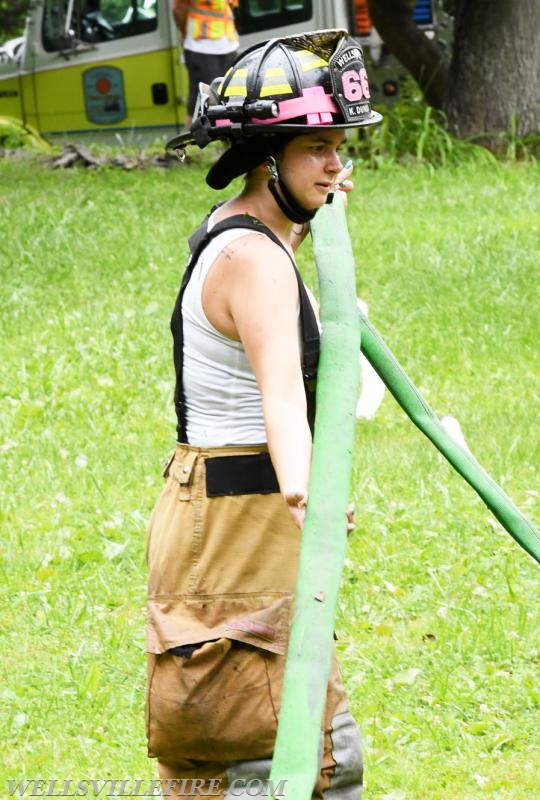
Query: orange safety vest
[
  {"x": 362, "y": 18},
  {"x": 213, "y": 19}
]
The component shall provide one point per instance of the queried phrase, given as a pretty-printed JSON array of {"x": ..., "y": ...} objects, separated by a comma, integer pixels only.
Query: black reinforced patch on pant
[{"x": 227, "y": 475}]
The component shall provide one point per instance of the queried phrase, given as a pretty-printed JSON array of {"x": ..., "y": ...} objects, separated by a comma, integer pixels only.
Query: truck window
[
  {"x": 259, "y": 15},
  {"x": 95, "y": 21}
]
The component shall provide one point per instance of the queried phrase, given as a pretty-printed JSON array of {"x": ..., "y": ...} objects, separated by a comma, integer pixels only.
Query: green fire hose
[
  {"x": 324, "y": 535},
  {"x": 414, "y": 405}
]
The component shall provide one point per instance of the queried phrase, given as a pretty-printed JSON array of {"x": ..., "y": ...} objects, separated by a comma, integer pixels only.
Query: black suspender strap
[{"x": 308, "y": 322}]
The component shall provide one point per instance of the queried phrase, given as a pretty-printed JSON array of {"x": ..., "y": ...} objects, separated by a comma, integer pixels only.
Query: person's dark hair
[{"x": 244, "y": 156}]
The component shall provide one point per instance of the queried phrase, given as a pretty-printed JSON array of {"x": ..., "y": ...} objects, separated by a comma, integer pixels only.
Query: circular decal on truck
[{"x": 104, "y": 95}]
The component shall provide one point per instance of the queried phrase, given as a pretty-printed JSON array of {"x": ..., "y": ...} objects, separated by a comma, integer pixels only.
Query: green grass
[{"x": 438, "y": 623}]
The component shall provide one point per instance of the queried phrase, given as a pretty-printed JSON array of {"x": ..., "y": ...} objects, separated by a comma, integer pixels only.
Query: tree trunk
[
  {"x": 419, "y": 55},
  {"x": 494, "y": 70}
]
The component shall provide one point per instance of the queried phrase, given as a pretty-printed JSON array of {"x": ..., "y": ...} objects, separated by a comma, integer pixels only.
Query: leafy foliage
[
  {"x": 12, "y": 17},
  {"x": 414, "y": 132},
  {"x": 14, "y": 134}
]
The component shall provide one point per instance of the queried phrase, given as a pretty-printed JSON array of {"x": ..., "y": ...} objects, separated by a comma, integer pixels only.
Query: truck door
[{"x": 102, "y": 65}]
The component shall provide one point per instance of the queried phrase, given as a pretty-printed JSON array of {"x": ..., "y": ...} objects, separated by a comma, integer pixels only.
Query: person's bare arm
[
  {"x": 179, "y": 11},
  {"x": 251, "y": 294}
]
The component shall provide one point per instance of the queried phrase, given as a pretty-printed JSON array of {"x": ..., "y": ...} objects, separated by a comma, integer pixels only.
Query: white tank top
[{"x": 222, "y": 399}]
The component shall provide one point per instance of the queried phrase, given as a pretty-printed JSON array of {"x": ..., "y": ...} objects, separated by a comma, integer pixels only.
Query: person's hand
[
  {"x": 296, "y": 500},
  {"x": 342, "y": 181}
]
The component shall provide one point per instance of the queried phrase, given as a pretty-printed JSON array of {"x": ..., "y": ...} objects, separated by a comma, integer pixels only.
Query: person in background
[
  {"x": 209, "y": 40},
  {"x": 224, "y": 536}
]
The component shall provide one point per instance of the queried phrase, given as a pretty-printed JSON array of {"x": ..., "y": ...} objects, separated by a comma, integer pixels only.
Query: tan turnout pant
[{"x": 221, "y": 579}]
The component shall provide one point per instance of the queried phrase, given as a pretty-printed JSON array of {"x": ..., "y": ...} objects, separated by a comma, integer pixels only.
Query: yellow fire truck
[{"x": 95, "y": 66}]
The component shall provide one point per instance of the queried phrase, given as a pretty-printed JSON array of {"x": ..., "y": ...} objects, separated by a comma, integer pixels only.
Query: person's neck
[{"x": 259, "y": 203}]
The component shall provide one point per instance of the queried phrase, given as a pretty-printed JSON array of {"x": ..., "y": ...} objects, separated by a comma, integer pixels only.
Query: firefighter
[
  {"x": 209, "y": 40},
  {"x": 223, "y": 538}
]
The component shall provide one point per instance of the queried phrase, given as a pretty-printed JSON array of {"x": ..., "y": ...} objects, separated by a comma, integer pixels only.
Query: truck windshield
[{"x": 95, "y": 21}]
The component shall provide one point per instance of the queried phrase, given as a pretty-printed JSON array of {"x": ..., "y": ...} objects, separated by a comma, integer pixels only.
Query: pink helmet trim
[{"x": 313, "y": 103}]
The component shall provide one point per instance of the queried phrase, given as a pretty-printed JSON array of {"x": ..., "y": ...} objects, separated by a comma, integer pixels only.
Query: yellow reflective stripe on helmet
[
  {"x": 224, "y": 78},
  {"x": 275, "y": 82},
  {"x": 237, "y": 86},
  {"x": 309, "y": 60},
  {"x": 276, "y": 88},
  {"x": 235, "y": 91}
]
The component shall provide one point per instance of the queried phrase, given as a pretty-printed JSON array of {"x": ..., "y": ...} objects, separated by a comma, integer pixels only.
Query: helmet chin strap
[{"x": 284, "y": 197}]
